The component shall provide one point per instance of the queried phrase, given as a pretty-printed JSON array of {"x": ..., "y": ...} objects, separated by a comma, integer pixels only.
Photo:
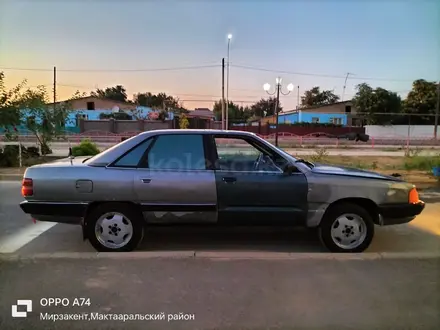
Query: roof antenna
[{"x": 345, "y": 85}]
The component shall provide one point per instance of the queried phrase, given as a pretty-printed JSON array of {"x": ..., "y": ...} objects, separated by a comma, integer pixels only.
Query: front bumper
[{"x": 394, "y": 214}]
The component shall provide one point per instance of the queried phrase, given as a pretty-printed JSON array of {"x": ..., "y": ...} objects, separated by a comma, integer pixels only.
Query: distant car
[{"x": 212, "y": 177}]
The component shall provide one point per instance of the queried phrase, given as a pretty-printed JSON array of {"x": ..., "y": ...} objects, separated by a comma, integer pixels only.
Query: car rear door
[
  {"x": 174, "y": 183},
  {"x": 254, "y": 196}
]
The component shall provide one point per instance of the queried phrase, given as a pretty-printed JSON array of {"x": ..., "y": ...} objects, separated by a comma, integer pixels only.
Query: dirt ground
[{"x": 385, "y": 165}]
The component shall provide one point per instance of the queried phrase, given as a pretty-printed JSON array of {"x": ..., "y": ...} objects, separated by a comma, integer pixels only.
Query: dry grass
[{"x": 366, "y": 162}]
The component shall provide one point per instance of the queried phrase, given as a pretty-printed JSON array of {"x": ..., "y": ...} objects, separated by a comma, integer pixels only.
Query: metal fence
[{"x": 286, "y": 139}]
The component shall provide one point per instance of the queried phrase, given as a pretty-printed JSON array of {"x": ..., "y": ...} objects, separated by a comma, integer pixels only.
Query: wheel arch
[{"x": 366, "y": 203}]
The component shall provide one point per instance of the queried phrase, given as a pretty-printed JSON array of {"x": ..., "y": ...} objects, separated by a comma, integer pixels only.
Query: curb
[{"x": 222, "y": 255}]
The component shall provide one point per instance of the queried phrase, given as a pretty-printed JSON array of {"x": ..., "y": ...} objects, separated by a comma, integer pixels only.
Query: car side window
[
  {"x": 237, "y": 154},
  {"x": 177, "y": 152},
  {"x": 132, "y": 158}
]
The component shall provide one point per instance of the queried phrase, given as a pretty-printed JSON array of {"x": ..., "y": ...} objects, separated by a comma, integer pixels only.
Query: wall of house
[
  {"x": 100, "y": 104},
  {"x": 306, "y": 117},
  {"x": 290, "y": 118},
  {"x": 419, "y": 131},
  {"x": 324, "y": 118}
]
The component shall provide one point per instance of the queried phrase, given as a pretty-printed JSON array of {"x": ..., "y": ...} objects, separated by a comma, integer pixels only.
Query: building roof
[
  {"x": 317, "y": 106},
  {"x": 201, "y": 112},
  {"x": 95, "y": 97}
]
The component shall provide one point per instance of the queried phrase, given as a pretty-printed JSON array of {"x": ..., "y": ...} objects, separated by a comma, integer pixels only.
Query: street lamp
[
  {"x": 227, "y": 85},
  {"x": 277, "y": 91}
]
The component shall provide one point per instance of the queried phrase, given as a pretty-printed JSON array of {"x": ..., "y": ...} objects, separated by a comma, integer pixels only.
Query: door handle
[
  {"x": 229, "y": 179},
  {"x": 146, "y": 180}
]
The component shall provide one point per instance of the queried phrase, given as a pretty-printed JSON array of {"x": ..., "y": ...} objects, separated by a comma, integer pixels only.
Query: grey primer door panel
[
  {"x": 174, "y": 184},
  {"x": 254, "y": 198},
  {"x": 169, "y": 196}
]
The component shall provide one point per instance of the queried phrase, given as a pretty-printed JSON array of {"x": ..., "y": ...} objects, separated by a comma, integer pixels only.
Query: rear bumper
[
  {"x": 394, "y": 214},
  {"x": 70, "y": 213}
]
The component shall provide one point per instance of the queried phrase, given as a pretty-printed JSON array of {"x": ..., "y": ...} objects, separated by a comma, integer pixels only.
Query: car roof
[{"x": 197, "y": 131}]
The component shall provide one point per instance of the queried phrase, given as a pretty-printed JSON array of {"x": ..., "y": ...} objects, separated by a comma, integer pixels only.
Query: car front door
[{"x": 252, "y": 186}]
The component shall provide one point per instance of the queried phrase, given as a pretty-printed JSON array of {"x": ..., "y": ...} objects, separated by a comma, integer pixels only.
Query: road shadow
[{"x": 279, "y": 239}]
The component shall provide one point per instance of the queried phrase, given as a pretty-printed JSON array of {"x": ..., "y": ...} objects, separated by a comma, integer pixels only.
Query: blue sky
[{"x": 396, "y": 41}]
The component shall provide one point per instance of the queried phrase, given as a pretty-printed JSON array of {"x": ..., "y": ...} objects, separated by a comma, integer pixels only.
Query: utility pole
[
  {"x": 437, "y": 111},
  {"x": 277, "y": 105},
  {"x": 54, "y": 86},
  {"x": 345, "y": 85},
  {"x": 227, "y": 85},
  {"x": 223, "y": 93},
  {"x": 297, "y": 101}
]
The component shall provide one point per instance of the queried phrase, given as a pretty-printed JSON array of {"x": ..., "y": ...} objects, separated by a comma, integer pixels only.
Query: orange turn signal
[{"x": 413, "y": 197}]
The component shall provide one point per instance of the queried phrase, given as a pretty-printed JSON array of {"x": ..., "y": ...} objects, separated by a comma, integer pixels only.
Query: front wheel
[
  {"x": 115, "y": 228},
  {"x": 347, "y": 228}
]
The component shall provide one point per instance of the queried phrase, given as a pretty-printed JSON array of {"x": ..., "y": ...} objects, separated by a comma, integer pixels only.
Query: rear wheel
[
  {"x": 115, "y": 228},
  {"x": 347, "y": 228}
]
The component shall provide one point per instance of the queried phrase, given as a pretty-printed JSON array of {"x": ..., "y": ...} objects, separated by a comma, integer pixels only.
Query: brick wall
[
  {"x": 121, "y": 126},
  {"x": 298, "y": 130}
]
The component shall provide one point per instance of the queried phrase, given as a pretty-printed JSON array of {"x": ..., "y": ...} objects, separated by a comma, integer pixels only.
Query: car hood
[{"x": 347, "y": 171}]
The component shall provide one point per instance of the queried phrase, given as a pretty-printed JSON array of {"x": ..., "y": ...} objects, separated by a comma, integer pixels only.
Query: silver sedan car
[{"x": 212, "y": 177}]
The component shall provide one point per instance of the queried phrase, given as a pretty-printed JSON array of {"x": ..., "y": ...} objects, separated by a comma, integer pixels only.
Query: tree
[
  {"x": 376, "y": 104},
  {"x": 159, "y": 102},
  {"x": 235, "y": 113},
  {"x": 10, "y": 104},
  {"x": 45, "y": 121},
  {"x": 183, "y": 121},
  {"x": 117, "y": 93},
  {"x": 116, "y": 115},
  {"x": 265, "y": 107},
  {"x": 421, "y": 99},
  {"x": 315, "y": 97}
]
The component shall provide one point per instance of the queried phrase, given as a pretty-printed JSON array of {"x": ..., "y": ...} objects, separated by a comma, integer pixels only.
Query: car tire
[
  {"x": 343, "y": 222},
  {"x": 126, "y": 220}
]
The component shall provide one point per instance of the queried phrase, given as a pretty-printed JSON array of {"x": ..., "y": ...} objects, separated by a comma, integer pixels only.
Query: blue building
[{"x": 301, "y": 116}]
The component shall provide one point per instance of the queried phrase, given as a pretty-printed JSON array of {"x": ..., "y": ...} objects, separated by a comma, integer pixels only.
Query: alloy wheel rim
[
  {"x": 113, "y": 230},
  {"x": 348, "y": 231}
]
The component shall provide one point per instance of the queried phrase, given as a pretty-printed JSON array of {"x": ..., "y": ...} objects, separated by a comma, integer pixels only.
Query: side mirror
[{"x": 289, "y": 169}]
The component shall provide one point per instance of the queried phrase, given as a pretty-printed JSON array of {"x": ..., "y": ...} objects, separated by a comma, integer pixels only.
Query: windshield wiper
[{"x": 309, "y": 164}]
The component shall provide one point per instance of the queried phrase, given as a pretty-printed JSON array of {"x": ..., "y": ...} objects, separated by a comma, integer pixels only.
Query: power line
[
  {"x": 314, "y": 74},
  {"x": 212, "y": 101},
  {"x": 197, "y": 67}
]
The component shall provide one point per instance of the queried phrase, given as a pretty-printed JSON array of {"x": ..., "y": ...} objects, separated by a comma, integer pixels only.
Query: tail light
[
  {"x": 27, "y": 187},
  {"x": 413, "y": 197}
]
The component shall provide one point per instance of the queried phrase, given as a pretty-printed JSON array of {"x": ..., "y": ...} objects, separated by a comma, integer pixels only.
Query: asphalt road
[
  {"x": 222, "y": 287},
  {"x": 224, "y": 294},
  {"x": 19, "y": 234}
]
